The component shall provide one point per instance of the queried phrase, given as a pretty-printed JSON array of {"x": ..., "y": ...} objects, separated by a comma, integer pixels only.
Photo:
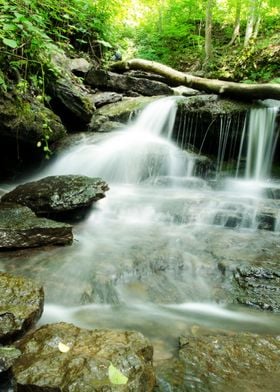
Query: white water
[
  {"x": 261, "y": 138},
  {"x": 146, "y": 257},
  {"x": 130, "y": 156}
]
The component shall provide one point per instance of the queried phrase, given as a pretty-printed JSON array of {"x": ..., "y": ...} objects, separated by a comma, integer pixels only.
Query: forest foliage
[{"x": 170, "y": 31}]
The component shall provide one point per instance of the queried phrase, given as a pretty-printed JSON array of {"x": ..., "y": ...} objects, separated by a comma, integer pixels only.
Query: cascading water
[
  {"x": 161, "y": 253},
  {"x": 261, "y": 138},
  {"x": 134, "y": 154}
]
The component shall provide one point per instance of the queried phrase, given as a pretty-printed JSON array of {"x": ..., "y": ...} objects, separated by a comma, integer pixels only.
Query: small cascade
[
  {"x": 258, "y": 142},
  {"x": 142, "y": 150},
  {"x": 164, "y": 253}
]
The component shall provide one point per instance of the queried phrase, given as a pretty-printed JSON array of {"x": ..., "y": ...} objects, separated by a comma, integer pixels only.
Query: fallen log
[{"x": 230, "y": 89}]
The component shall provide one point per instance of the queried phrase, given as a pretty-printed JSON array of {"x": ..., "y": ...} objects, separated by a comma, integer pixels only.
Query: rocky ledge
[{"x": 60, "y": 357}]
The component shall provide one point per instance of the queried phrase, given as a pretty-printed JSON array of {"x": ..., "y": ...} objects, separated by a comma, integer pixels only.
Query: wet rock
[
  {"x": 21, "y": 228},
  {"x": 186, "y": 91},
  {"x": 84, "y": 367},
  {"x": 122, "y": 83},
  {"x": 232, "y": 363},
  {"x": 147, "y": 75},
  {"x": 266, "y": 219},
  {"x": 21, "y": 306},
  {"x": 119, "y": 112},
  {"x": 79, "y": 66},
  {"x": 229, "y": 219},
  {"x": 100, "y": 99},
  {"x": 58, "y": 194},
  {"x": 258, "y": 286},
  {"x": 110, "y": 126},
  {"x": 72, "y": 100},
  {"x": 272, "y": 193},
  {"x": 26, "y": 121},
  {"x": 8, "y": 355},
  {"x": 203, "y": 120}
]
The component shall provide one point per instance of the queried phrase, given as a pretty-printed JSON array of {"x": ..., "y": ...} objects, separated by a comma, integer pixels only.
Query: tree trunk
[
  {"x": 208, "y": 31},
  {"x": 231, "y": 89},
  {"x": 236, "y": 31},
  {"x": 252, "y": 20}
]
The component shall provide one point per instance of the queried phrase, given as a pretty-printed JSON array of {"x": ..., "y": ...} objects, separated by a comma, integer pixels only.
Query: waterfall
[
  {"x": 140, "y": 151},
  {"x": 259, "y": 138}
]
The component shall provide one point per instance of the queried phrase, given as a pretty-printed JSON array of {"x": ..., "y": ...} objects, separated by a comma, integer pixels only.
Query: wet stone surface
[
  {"x": 21, "y": 305},
  {"x": 21, "y": 228},
  {"x": 58, "y": 194},
  {"x": 231, "y": 362},
  {"x": 258, "y": 286},
  {"x": 81, "y": 363}
]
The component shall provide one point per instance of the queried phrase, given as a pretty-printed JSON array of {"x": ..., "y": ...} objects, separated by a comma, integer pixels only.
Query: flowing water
[{"x": 151, "y": 255}]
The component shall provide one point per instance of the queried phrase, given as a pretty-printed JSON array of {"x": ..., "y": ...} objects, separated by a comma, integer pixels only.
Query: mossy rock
[
  {"x": 62, "y": 357},
  {"x": 21, "y": 305}
]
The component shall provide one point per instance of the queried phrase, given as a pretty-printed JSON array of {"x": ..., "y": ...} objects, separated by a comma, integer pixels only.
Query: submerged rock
[
  {"x": 58, "y": 194},
  {"x": 21, "y": 306},
  {"x": 21, "y": 228},
  {"x": 237, "y": 362},
  {"x": 62, "y": 357}
]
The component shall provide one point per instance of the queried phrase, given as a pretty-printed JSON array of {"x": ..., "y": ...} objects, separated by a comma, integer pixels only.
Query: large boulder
[
  {"x": 20, "y": 307},
  {"x": 62, "y": 357},
  {"x": 58, "y": 194},
  {"x": 110, "y": 81},
  {"x": 231, "y": 362},
  {"x": 21, "y": 228}
]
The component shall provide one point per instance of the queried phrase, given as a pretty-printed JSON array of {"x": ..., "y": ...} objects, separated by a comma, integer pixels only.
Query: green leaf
[
  {"x": 104, "y": 43},
  {"x": 115, "y": 376},
  {"x": 10, "y": 42}
]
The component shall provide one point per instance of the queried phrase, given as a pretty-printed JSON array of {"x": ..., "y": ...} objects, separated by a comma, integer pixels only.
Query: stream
[{"x": 156, "y": 254}]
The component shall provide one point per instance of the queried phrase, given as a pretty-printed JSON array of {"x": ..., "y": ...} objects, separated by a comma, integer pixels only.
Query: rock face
[
  {"x": 232, "y": 363},
  {"x": 25, "y": 121},
  {"x": 125, "y": 83},
  {"x": 258, "y": 286},
  {"x": 8, "y": 355},
  {"x": 21, "y": 228},
  {"x": 119, "y": 112},
  {"x": 58, "y": 194},
  {"x": 72, "y": 103},
  {"x": 100, "y": 99},
  {"x": 202, "y": 119},
  {"x": 20, "y": 307},
  {"x": 84, "y": 364},
  {"x": 23, "y": 124}
]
